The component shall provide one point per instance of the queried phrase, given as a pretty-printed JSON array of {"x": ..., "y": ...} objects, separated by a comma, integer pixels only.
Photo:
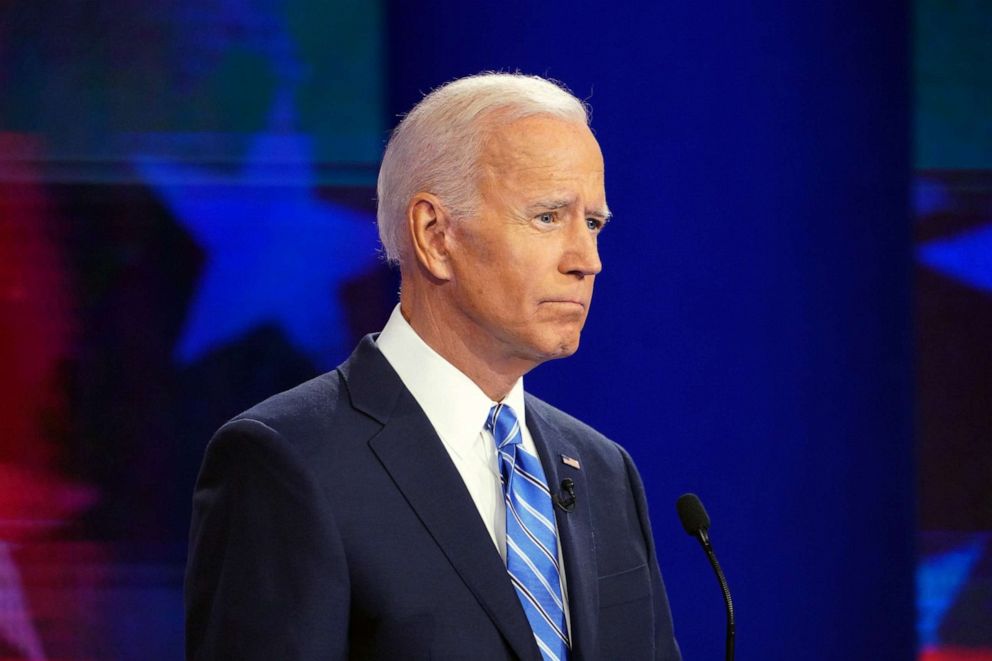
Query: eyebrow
[{"x": 603, "y": 214}]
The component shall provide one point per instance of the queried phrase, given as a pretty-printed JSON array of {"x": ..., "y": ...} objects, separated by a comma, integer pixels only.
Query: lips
[{"x": 565, "y": 301}]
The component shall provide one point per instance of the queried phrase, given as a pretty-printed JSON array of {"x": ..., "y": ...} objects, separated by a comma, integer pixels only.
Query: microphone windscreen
[{"x": 692, "y": 514}]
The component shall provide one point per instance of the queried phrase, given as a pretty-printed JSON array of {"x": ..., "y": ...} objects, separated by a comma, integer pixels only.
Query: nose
[{"x": 581, "y": 255}]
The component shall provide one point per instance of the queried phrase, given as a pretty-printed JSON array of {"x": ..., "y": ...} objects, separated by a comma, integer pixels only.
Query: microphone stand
[{"x": 704, "y": 539}]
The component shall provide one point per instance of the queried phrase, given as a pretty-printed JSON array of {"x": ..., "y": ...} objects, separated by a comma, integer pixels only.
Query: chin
[
  {"x": 540, "y": 348},
  {"x": 564, "y": 348}
]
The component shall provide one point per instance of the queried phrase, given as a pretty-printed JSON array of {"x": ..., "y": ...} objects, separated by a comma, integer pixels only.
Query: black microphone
[
  {"x": 696, "y": 522},
  {"x": 566, "y": 497}
]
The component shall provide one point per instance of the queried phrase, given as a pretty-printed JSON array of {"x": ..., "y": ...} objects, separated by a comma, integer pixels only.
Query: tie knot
[{"x": 503, "y": 424}]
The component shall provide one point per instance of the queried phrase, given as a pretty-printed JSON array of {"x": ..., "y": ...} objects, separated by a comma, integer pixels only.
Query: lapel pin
[{"x": 570, "y": 461}]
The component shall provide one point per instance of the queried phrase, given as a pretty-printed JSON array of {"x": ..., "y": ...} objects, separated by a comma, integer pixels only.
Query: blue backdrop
[
  {"x": 186, "y": 227},
  {"x": 750, "y": 335}
]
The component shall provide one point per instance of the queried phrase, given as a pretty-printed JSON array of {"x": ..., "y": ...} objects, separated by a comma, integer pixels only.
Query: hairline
[{"x": 524, "y": 97}]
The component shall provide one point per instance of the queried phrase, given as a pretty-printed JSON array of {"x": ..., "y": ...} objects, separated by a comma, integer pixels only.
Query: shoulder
[
  {"x": 289, "y": 421},
  {"x": 330, "y": 415},
  {"x": 300, "y": 405}
]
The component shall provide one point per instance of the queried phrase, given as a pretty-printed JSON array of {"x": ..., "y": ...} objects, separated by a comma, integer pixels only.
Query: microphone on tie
[{"x": 565, "y": 499}]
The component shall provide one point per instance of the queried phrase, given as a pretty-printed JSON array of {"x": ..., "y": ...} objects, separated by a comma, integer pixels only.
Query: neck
[{"x": 495, "y": 375}]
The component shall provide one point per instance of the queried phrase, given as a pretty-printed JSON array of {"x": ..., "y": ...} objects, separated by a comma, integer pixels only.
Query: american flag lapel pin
[{"x": 571, "y": 461}]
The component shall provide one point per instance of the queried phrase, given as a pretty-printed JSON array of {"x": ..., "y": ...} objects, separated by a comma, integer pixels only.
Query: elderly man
[{"x": 415, "y": 502}]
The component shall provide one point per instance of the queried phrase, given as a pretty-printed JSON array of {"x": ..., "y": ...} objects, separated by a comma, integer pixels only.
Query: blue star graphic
[
  {"x": 966, "y": 257},
  {"x": 276, "y": 253}
]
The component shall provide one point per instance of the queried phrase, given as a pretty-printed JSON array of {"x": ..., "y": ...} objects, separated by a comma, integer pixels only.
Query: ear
[{"x": 429, "y": 227}]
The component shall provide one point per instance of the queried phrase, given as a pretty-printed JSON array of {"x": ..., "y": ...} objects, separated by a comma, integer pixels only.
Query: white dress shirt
[{"x": 457, "y": 409}]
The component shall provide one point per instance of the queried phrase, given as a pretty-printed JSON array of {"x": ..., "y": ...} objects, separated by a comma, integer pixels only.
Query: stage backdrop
[
  {"x": 186, "y": 211},
  {"x": 186, "y": 227},
  {"x": 953, "y": 232}
]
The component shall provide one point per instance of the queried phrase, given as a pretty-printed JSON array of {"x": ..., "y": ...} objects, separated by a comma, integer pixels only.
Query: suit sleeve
[
  {"x": 666, "y": 648},
  {"x": 266, "y": 576}
]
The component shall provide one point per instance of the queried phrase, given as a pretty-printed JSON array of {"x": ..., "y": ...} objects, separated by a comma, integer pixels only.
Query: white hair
[{"x": 436, "y": 147}]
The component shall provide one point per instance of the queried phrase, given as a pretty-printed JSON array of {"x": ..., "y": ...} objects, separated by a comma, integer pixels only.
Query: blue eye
[
  {"x": 595, "y": 224},
  {"x": 546, "y": 218}
]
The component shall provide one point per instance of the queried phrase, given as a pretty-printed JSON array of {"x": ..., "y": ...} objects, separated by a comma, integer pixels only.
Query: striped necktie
[{"x": 531, "y": 536}]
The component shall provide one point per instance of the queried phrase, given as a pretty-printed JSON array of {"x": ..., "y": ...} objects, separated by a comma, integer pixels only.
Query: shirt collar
[{"x": 454, "y": 404}]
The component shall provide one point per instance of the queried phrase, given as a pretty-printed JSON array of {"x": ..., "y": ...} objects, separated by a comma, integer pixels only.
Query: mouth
[{"x": 565, "y": 301}]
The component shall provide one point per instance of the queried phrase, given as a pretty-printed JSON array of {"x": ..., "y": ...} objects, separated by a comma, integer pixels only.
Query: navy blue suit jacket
[{"x": 329, "y": 523}]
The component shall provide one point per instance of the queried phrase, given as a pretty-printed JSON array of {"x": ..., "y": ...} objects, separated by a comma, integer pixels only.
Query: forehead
[{"x": 542, "y": 148}]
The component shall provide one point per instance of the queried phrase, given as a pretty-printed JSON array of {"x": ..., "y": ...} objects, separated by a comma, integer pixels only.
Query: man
[{"x": 415, "y": 503}]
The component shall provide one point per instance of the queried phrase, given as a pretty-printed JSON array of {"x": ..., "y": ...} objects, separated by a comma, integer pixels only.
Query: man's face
[{"x": 523, "y": 270}]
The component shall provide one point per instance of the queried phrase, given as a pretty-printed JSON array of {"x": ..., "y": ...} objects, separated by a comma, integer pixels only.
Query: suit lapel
[
  {"x": 574, "y": 530},
  {"x": 411, "y": 452}
]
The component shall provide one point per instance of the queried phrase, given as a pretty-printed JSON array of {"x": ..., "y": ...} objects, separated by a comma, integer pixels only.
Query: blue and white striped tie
[{"x": 531, "y": 537}]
